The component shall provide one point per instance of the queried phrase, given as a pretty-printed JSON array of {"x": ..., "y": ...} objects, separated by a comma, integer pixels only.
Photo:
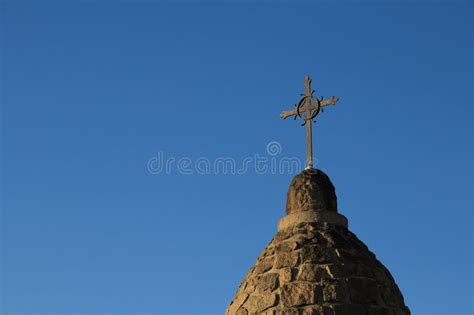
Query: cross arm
[{"x": 329, "y": 101}]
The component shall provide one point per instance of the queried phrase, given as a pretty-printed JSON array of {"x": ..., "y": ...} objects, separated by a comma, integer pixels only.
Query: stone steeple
[{"x": 314, "y": 264}]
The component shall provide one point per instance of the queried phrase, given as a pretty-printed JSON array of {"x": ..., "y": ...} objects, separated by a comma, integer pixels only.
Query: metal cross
[{"x": 307, "y": 111}]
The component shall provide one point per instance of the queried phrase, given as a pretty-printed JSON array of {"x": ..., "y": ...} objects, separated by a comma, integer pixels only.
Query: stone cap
[{"x": 311, "y": 190}]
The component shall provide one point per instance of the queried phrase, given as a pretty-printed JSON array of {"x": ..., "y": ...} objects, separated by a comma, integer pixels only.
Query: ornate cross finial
[{"x": 307, "y": 109}]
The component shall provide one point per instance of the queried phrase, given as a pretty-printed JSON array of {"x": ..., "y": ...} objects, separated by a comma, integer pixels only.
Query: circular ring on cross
[{"x": 300, "y": 108}]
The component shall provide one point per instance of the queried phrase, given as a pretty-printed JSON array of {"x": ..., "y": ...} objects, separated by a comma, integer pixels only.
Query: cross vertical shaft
[{"x": 309, "y": 123}]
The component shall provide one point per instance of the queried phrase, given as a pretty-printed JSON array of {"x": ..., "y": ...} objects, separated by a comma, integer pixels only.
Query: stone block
[{"x": 299, "y": 293}]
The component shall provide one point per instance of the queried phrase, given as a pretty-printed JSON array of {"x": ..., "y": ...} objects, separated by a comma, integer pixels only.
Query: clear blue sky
[{"x": 91, "y": 90}]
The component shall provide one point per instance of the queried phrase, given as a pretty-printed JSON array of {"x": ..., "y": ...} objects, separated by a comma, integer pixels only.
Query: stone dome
[{"x": 315, "y": 265}]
